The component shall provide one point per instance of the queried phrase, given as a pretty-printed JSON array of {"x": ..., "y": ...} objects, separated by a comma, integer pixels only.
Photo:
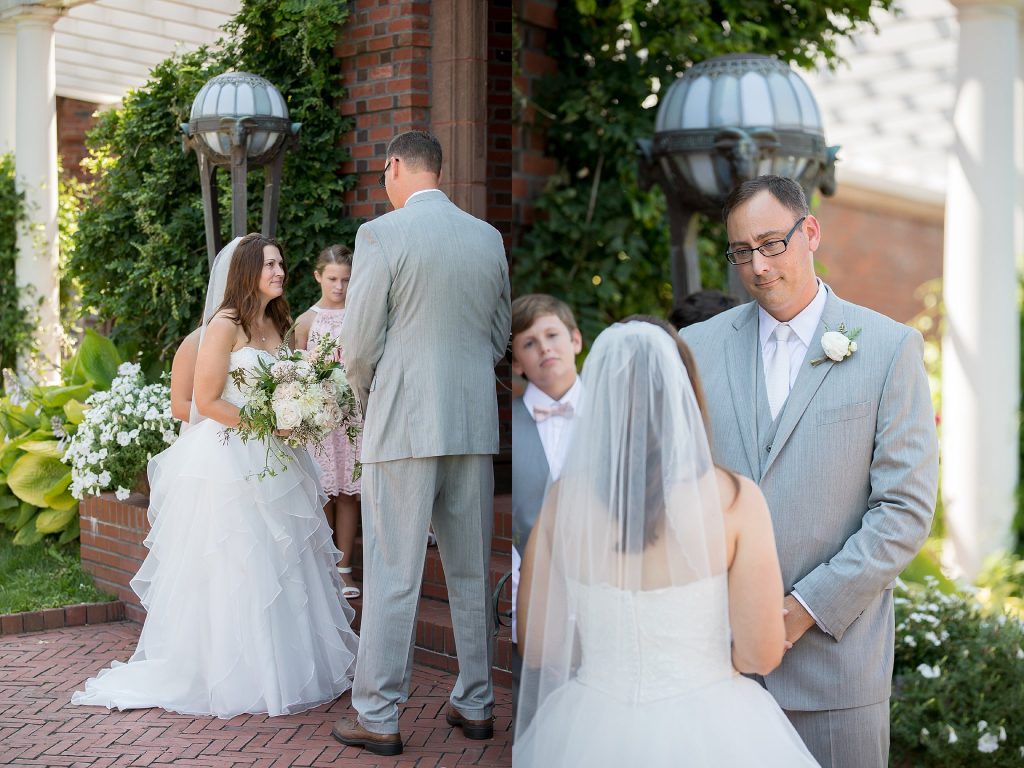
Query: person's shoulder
[
  {"x": 306, "y": 318},
  {"x": 715, "y": 326}
]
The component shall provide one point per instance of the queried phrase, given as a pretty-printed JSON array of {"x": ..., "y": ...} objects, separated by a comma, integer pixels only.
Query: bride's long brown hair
[{"x": 242, "y": 294}]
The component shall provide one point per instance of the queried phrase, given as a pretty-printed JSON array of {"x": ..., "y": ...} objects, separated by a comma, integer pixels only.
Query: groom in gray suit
[
  {"x": 826, "y": 405},
  {"x": 428, "y": 317}
]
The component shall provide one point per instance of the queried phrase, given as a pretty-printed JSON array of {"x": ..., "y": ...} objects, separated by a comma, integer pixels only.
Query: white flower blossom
[
  {"x": 951, "y": 738},
  {"x": 983, "y": 725},
  {"x": 1002, "y": 733},
  {"x": 988, "y": 743},
  {"x": 929, "y": 672},
  {"x": 122, "y": 493}
]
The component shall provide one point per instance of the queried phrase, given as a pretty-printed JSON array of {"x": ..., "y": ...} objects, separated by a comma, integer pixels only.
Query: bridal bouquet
[{"x": 297, "y": 399}]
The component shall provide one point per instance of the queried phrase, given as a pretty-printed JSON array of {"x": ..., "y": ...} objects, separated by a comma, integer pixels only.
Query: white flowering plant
[
  {"x": 298, "y": 398},
  {"x": 121, "y": 430},
  {"x": 957, "y": 683}
]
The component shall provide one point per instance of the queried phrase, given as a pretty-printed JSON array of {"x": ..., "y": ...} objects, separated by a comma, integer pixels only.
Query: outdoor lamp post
[
  {"x": 239, "y": 119},
  {"x": 727, "y": 120}
]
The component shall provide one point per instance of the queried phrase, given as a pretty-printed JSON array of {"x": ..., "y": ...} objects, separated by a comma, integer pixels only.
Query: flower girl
[{"x": 339, "y": 456}]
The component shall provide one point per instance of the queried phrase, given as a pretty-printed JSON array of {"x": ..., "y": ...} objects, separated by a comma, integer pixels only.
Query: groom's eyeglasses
[
  {"x": 382, "y": 178},
  {"x": 771, "y": 248}
]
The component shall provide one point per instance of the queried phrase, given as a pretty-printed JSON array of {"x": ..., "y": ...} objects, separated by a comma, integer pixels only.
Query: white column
[
  {"x": 8, "y": 85},
  {"x": 36, "y": 162},
  {"x": 980, "y": 362}
]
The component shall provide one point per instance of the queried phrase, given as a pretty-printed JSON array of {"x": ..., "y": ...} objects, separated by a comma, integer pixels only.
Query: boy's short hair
[{"x": 526, "y": 309}]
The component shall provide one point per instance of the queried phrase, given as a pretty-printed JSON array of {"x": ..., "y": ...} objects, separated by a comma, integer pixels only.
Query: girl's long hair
[{"x": 242, "y": 293}]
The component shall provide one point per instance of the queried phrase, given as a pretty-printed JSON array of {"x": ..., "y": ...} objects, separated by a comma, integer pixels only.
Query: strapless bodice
[
  {"x": 649, "y": 645},
  {"x": 246, "y": 357}
]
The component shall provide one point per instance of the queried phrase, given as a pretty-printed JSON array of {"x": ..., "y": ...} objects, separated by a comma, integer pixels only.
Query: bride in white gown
[
  {"x": 243, "y": 601},
  {"x": 649, "y": 582}
]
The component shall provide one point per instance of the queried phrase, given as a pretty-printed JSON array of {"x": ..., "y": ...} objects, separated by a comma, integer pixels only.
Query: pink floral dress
[{"x": 338, "y": 458}]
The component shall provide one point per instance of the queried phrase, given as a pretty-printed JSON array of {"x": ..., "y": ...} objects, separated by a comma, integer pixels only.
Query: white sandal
[{"x": 347, "y": 591}]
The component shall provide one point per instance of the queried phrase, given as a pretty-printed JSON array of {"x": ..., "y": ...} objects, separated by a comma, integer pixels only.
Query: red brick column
[{"x": 385, "y": 51}]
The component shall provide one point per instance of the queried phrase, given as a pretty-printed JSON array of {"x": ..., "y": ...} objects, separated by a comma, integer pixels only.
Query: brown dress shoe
[
  {"x": 471, "y": 729},
  {"x": 349, "y": 731}
]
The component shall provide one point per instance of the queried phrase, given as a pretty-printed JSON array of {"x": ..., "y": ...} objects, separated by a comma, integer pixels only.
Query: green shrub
[
  {"x": 15, "y": 324},
  {"x": 957, "y": 684}
]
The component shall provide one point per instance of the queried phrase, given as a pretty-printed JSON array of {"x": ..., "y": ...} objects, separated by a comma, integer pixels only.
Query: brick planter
[
  {"x": 112, "y": 551},
  {"x": 58, "y": 618}
]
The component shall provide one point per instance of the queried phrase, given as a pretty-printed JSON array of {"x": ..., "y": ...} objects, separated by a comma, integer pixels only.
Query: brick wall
[
  {"x": 74, "y": 119},
  {"x": 531, "y": 169},
  {"x": 879, "y": 255},
  {"x": 385, "y": 52},
  {"x": 500, "y": 159}
]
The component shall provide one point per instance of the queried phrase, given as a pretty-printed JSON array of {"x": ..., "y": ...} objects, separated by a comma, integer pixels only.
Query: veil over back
[
  {"x": 634, "y": 518},
  {"x": 214, "y": 298}
]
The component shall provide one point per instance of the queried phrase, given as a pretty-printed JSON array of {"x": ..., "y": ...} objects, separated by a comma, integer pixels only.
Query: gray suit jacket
[
  {"x": 850, "y": 477},
  {"x": 531, "y": 475},
  {"x": 428, "y": 316}
]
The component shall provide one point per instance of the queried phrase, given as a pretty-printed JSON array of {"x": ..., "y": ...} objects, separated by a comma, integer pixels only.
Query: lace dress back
[{"x": 668, "y": 641}]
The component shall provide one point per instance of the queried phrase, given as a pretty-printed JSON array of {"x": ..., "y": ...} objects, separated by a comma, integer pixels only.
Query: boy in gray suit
[
  {"x": 826, "y": 406},
  {"x": 545, "y": 343},
  {"x": 427, "y": 320}
]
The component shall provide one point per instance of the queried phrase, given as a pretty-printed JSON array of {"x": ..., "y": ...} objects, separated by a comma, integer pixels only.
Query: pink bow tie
[{"x": 540, "y": 413}]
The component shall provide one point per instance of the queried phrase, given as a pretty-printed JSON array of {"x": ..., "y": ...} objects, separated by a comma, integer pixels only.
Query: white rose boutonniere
[{"x": 837, "y": 345}]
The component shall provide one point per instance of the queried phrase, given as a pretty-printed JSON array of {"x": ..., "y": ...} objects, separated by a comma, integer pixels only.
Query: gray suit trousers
[
  {"x": 857, "y": 737},
  {"x": 401, "y": 499}
]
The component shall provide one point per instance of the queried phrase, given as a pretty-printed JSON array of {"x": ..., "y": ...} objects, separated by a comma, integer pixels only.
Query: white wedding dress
[
  {"x": 659, "y": 691},
  {"x": 244, "y": 606}
]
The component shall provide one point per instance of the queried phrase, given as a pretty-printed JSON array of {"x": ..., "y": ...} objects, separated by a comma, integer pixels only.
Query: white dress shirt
[
  {"x": 804, "y": 325},
  {"x": 555, "y": 433}
]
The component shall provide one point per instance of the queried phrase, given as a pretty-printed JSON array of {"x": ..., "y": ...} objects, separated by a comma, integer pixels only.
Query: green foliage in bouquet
[
  {"x": 600, "y": 242},
  {"x": 140, "y": 260},
  {"x": 957, "y": 684},
  {"x": 36, "y": 421}
]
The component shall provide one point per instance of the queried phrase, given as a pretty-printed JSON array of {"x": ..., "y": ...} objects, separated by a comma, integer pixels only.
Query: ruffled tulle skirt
[
  {"x": 243, "y": 601},
  {"x": 734, "y": 722}
]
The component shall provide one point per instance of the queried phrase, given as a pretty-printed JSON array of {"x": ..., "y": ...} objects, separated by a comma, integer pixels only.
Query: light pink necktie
[{"x": 540, "y": 413}]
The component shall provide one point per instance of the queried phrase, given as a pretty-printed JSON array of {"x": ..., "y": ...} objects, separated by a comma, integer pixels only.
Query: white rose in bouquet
[
  {"x": 291, "y": 390},
  {"x": 287, "y": 413},
  {"x": 303, "y": 370},
  {"x": 836, "y": 345}
]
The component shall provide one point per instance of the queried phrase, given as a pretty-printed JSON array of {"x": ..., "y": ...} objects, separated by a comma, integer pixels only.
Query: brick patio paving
[{"x": 39, "y": 727}]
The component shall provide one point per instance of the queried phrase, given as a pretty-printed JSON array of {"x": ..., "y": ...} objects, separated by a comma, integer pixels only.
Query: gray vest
[
  {"x": 530, "y": 474},
  {"x": 766, "y": 428}
]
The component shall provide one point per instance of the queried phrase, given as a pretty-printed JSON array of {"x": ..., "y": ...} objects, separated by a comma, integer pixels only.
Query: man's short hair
[
  {"x": 527, "y": 308},
  {"x": 419, "y": 150},
  {"x": 783, "y": 189},
  {"x": 700, "y": 306}
]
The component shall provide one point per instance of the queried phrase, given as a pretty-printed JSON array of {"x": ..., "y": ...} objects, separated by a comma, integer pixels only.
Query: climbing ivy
[
  {"x": 140, "y": 260},
  {"x": 15, "y": 326},
  {"x": 601, "y": 242}
]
